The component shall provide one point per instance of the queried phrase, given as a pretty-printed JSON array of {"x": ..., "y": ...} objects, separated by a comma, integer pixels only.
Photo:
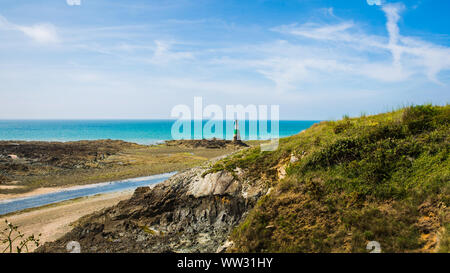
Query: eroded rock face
[
  {"x": 187, "y": 213},
  {"x": 219, "y": 183}
]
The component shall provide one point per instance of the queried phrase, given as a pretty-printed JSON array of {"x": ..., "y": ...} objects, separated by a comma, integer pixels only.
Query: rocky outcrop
[
  {"x": 187, "y": 213},
  {"x": 20, "y": 160},
  {"x": 213, "y": 143}
]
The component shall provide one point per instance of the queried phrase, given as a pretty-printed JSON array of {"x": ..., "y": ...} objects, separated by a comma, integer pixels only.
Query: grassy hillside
[{"x": 339, "y": 185}]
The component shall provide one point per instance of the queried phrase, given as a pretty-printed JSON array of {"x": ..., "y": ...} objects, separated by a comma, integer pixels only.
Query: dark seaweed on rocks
[{"x": 206, "y": 143}]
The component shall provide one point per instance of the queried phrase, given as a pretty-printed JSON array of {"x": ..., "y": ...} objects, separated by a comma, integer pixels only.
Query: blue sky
[{"x": 317, "y": 59}]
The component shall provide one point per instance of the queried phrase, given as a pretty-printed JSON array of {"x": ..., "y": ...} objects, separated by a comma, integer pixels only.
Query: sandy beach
[
  {"x": 55, "y": 220},
  {"x": 38, "y": 191}
]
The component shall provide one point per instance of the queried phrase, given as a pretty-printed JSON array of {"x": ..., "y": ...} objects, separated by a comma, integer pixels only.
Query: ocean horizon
[{"x": 151, "y": 131}]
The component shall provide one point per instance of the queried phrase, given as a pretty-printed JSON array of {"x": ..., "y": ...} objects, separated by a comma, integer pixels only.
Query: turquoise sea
[{"x": 138, "y": 131}]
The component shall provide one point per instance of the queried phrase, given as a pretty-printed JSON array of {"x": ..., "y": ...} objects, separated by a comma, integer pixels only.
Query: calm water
[
  {"x": 81, "y": 191},
  {"x": 138, "y": 131}
]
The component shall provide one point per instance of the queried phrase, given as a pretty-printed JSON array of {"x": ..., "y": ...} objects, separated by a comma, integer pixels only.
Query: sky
[{"x": 136, "y": 59}]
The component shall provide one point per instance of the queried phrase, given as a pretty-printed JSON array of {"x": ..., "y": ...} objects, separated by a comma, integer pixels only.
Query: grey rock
[{"x": 186, "y": 213}]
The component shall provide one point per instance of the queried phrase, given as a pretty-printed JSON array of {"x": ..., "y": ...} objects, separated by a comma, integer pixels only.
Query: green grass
[
  {"x": 357, "y": 180},
  {"x": 445, "y": 240}
]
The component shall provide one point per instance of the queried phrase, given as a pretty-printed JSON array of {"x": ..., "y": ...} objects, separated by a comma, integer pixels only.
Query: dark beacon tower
[{"x": 237, "y": 135}]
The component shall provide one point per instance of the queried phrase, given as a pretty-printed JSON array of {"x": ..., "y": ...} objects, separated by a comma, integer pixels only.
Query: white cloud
[
  {"x": 392, "y": 14},
  {"x": 346, "y": 49},
  {"x": 319, "y": 32},
  {"x": 73, "y": 2},
  {"x": 163, "y": 54},
  {"x": 330, "y": 11},
  {"x": 344, "y": 32},
  {"x": 41, "y": 33},
  {"x": 375, "y": 2}
]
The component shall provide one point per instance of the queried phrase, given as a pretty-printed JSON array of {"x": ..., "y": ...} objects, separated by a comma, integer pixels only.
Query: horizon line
[{"x": 143, "y": 119}]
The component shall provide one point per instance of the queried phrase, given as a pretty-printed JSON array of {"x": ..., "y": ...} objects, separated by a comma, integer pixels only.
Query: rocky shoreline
[
  {"x": 29, "y": 165},
  {"x": 189, "y": 212}
]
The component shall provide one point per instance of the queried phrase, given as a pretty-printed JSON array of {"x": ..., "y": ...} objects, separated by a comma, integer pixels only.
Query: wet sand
[{"x": 38, "y": 191}]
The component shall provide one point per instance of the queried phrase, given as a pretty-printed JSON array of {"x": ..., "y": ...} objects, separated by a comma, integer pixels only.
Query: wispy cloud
[
  {"x": 346, "y": 48},
  {"x": 163, "y": 53},
  {"x": 44, "y": 33},
  {"x": 375, "y": 2},
  {"x": 316, "y": 67},
  {"x": 319, "y": 32},
  {"x": 73, "y": 2},
  {"x": 392, "y": 14}
]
